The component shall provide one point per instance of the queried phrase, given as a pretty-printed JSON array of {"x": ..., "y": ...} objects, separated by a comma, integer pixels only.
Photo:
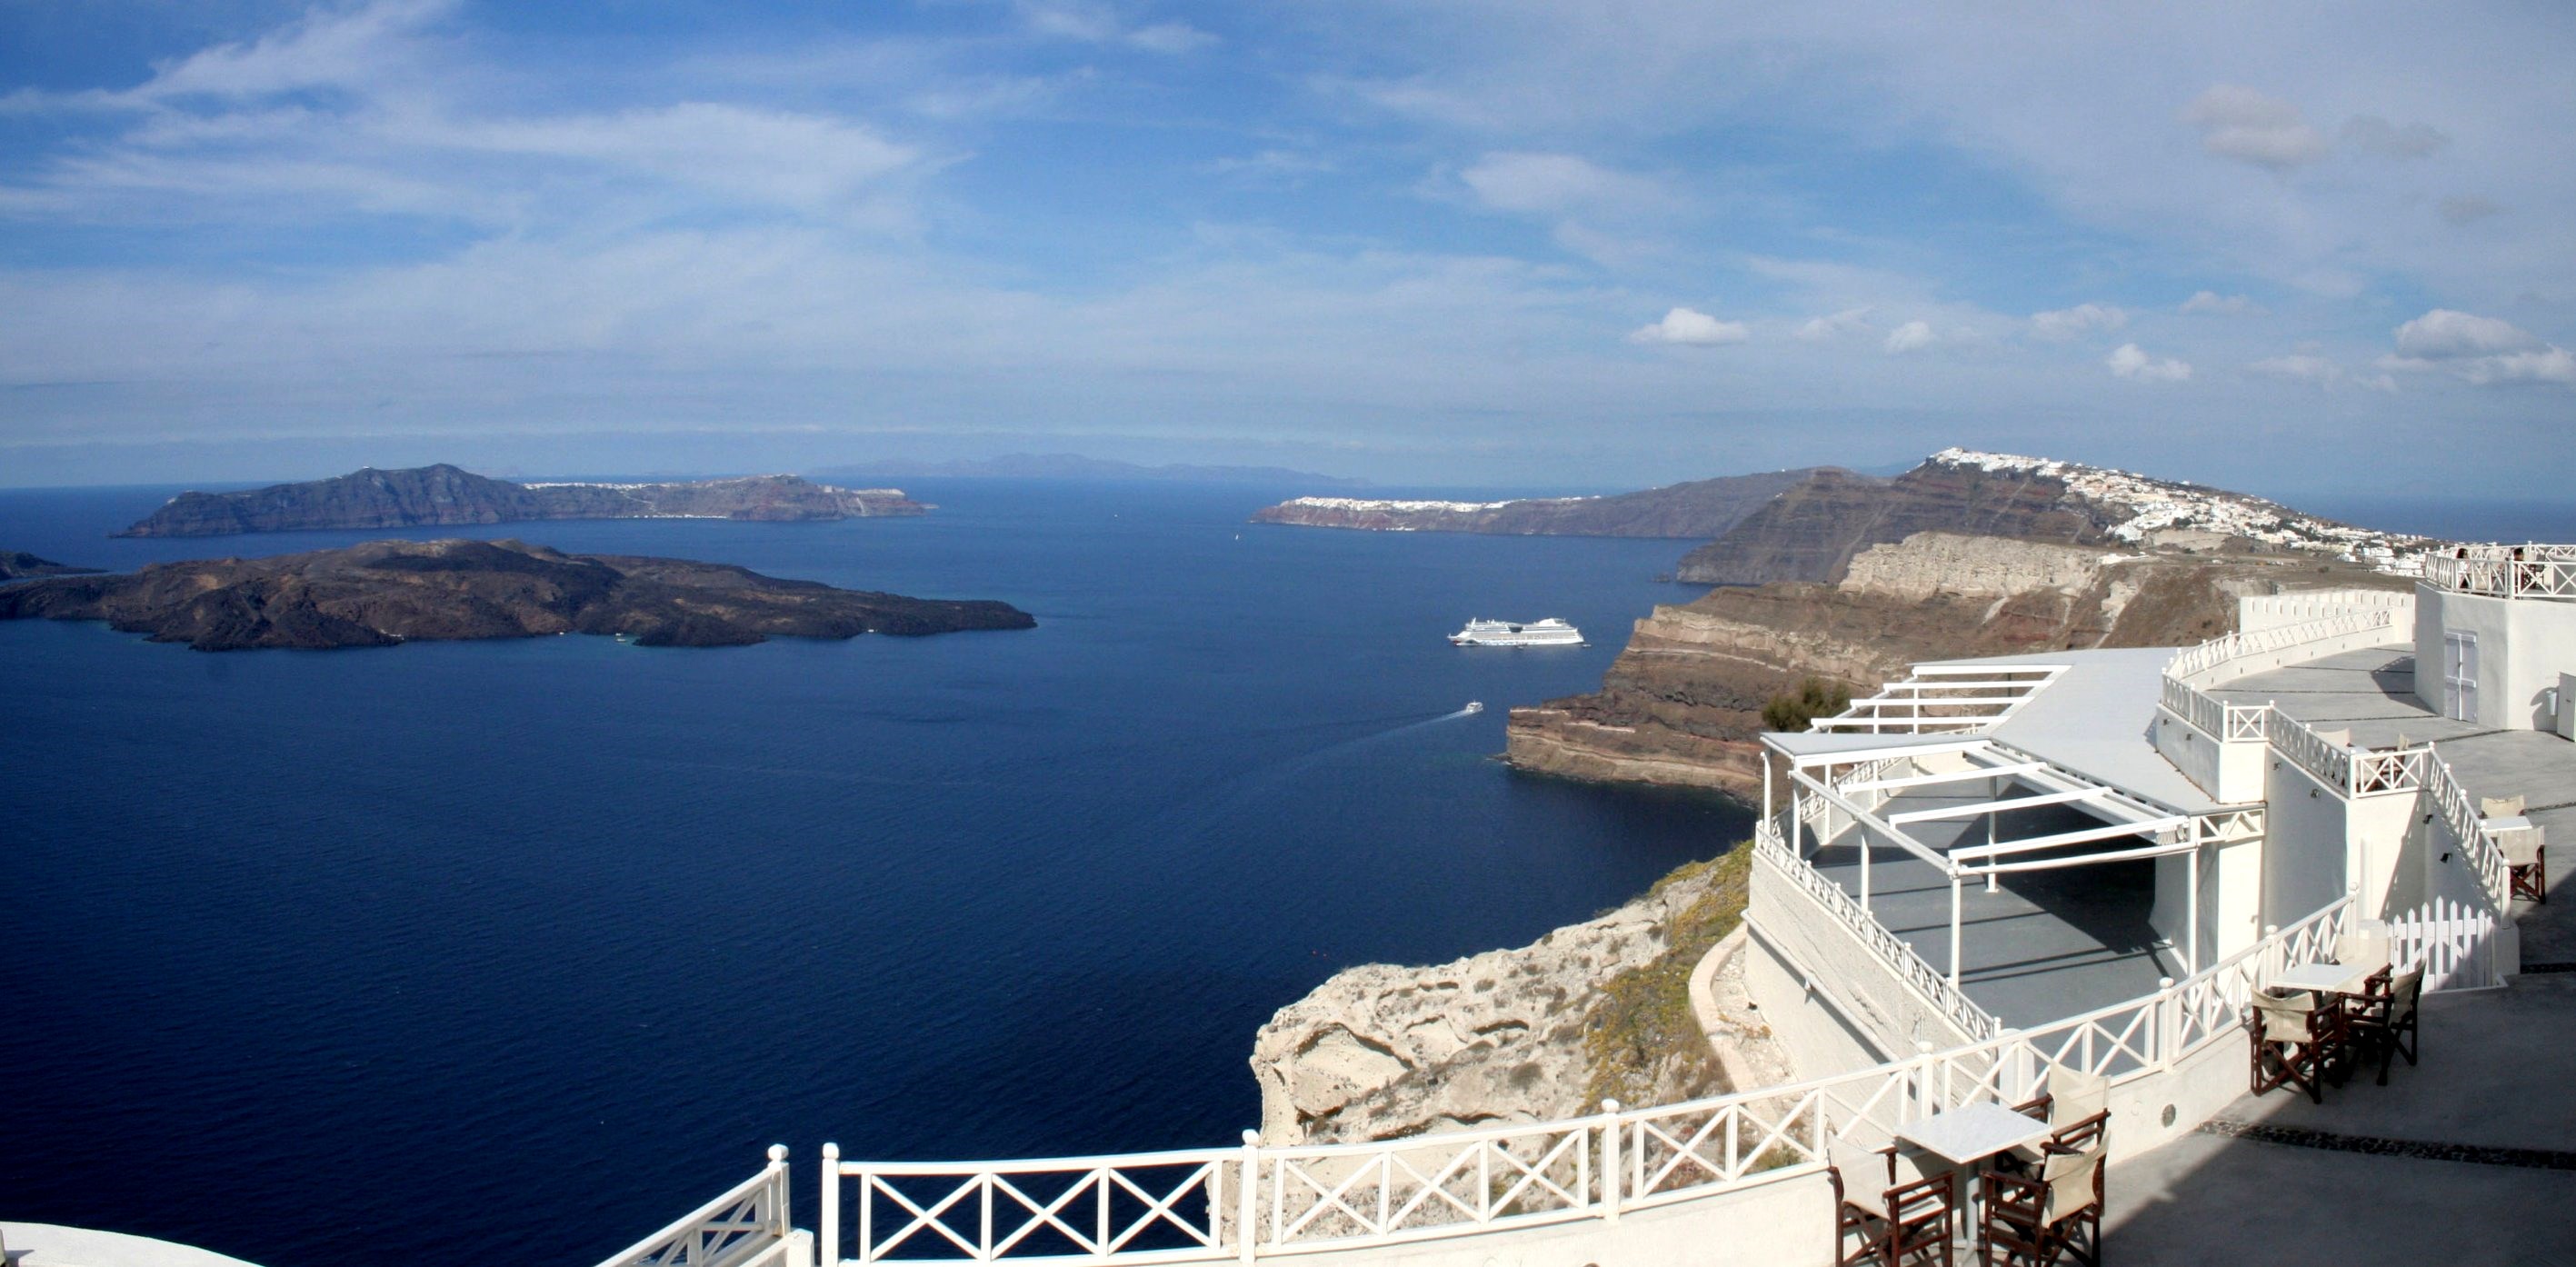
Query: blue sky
[{"x": 2294, "y": 248}]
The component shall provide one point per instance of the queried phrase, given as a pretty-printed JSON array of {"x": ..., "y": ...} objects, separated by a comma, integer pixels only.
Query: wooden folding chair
[
  {"x": 2386, "y": 1023},
  {"x": 1899, "y": 1211},
  {"x": 2295, "y": 1041},
  {"x": 2052, "y": 1217}
]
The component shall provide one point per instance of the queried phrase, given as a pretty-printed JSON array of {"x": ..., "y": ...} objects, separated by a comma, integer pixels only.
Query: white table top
[
  {"x": 1972, "y": 1132},
  {"x": 2519, "y": 822},
  {"x": 2333, "y": 978}
]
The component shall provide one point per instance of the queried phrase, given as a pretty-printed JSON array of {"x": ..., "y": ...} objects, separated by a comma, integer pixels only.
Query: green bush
[{"x": 1816, "y": 697}]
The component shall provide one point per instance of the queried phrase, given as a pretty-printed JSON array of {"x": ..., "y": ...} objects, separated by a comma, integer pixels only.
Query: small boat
[
  {"x": 1550, "y": 632},
  {"x": 1474, "y": 706}
]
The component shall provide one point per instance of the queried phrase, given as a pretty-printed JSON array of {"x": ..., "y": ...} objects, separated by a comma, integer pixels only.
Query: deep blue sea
[{"x": 517, "y": 950}]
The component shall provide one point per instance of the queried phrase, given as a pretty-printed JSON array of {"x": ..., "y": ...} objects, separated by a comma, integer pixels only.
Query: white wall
[
  {"x": 2524, "y": 645},
  {"x": 1795, "y": 929},
  {"x": 2304, "y": 852}
]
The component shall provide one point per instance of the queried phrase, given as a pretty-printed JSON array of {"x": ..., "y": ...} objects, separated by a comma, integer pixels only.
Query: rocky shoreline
[{"x": 1599, "y": 1008}]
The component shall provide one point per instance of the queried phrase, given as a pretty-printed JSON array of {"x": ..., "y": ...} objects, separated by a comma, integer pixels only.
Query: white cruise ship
[{"x": 1550, "y": 632}]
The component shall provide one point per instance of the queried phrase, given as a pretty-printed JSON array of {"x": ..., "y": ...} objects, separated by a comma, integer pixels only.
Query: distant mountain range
[
  {"x": 1069, "y": 466},
  {"x": 445, "y": 495}
]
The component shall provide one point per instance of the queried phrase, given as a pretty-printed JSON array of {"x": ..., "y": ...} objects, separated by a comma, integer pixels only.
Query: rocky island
[
  {"x": 18, "y": 564},
  {"x": 443, "y": 495},
  {"x": 1700, "y": 509},
  {"x": 385, "y": 592}
]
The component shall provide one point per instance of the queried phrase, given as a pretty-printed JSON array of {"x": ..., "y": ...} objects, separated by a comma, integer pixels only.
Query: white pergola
[{"x": 1814, "y": 758}]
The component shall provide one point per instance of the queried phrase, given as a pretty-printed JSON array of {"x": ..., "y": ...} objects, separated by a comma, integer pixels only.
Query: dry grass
[{"x": 1641, "y": 1040}]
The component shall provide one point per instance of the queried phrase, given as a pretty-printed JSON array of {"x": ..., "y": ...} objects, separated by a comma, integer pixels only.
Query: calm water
[{"x": 519, "y": 950}]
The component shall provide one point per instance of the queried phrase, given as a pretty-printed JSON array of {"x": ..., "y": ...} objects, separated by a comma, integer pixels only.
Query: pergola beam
[
  {"x": 1983, "y": 808},
  {"x": 2030, "y": 844},
  {"x": 1952, "y": 776},
  {"x": 1865, "y": 818},
  {"x": 2086, "y": 860}
]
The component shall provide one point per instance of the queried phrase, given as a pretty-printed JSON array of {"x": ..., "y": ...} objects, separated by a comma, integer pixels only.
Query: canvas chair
[
  {"x": 2387, "y": 1023},
  {"x": 2296, "y": 1042},
  {"x": 2077, "y": 1108},
  {"x": 2499, "y": 807},
  {"x": 1900, "y": 1209},
  {"x": 2052, "y": 1217},
  {"x": 2526, "y": 863}
]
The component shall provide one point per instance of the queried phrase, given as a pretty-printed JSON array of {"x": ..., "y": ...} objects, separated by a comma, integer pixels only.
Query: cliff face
[
  {"x": 1542, "y": 1031},
  {"x": 1700, "y": 509},
  {"x": 444, "y": 495},
  {"x": 1683, "y": 702},
  {"x": 386, "y": 592},
  {"x": 1811, "y": 532}
]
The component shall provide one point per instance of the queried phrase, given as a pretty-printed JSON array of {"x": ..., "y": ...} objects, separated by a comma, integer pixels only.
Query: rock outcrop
[
  {"x": 444, "y": 495},
  {"x": 18, "y": 564},
  {"x": 1538, "y": 1032},
  {"x": 1683, "y": 702},
  {"x": 1699, "y": 510},
  {"x": 386, "y": 592}
]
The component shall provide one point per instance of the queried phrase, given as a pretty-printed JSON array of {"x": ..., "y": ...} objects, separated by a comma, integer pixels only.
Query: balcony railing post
[
  {"x": 1610, "y": 1160},
  {"x": 780, "y": 1224},
  {"x": 1246, "y": 1201},
  {"x": 831, "y": 1171}
]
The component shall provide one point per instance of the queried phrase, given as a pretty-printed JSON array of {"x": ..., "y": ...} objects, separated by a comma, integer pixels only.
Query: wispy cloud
[{"x": 2131, "y": 362}]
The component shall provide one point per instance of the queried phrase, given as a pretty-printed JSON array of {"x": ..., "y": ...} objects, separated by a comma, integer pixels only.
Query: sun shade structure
[
  {"x": 1935, "y": 737},
  {"x": 1945, "y": 698}
]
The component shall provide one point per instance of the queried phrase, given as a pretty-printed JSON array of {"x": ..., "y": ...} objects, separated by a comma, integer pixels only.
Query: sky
[{"x": 2290, "y": 248}]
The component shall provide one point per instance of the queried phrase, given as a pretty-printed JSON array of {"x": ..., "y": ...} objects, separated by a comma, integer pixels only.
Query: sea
[{"x": 514, "y": 951}]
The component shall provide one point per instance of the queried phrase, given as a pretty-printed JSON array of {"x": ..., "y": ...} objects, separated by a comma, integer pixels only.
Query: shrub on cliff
[
  {"x": 1641, "y": 1041},
  {"x": 1814, "y": 698}
]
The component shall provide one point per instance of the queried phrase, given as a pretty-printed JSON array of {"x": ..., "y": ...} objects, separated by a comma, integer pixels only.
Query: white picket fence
[{"x": 2453, "y": 942}]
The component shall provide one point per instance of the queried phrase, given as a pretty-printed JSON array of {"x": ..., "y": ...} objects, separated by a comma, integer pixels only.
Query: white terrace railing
[
  {"x": 2222, "y": 660},
  {"x": 1894, "y": 953},
  {"x": 2523, "y": 571},
  {"x": 2449, "y": 801},
  {"x": 2355, "y": 772},
  {"x": 1256, "y": 1201},
  {"x": 2216, "y": 718},
  {"x": 747, "y": 1227}
]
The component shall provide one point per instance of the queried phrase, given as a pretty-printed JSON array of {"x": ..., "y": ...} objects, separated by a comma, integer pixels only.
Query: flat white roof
[{"x": 2096, "y": 719}]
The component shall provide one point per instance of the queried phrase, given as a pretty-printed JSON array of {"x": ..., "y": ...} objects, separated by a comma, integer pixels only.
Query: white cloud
[
  {"x": 2303, "y": 367},
  {"x": 2131, "y": 362},
  {"x": 2211, "y": 303},
  {"x": 2445, "y": 334},
  {"x": 2245, "y": 125},
  {"x": 2480, "y": 350},
  {"x": 2074, "y": 323},
  {"x": 1836, "y": 325},
  {"x": 1912, "y": 336},
  {"x": 2467, "y": 209},
  {"x": 2375, "y": 135},
  {"x": 1555, "y": 184},
  {"x": 1690, "y": 327}
]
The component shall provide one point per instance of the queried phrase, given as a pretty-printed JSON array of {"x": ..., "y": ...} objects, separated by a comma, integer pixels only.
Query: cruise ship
[{"x": 1550, "y": 632}]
